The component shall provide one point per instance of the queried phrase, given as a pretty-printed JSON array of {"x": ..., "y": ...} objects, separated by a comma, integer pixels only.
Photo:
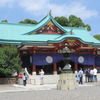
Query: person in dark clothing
[
  {"x": 24, "y": 79},
  {"x": 86, "y": 75}
]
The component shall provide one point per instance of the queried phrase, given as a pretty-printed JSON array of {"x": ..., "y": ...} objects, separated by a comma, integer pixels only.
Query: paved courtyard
[{"x": 87, "y": 91}]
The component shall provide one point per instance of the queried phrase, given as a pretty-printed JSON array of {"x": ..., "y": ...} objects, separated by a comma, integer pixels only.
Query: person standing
[
  {"x": 77, "y": 76},
  {"x": 80, "y": 76},
  {"x": 20, "y": 79},
  {"x": 24, "y": 79},
  {"x": 59, "y": 70},
  {"x": 95, "y": 74},
  {"x": 91, "y": 75},
  {"x": 86, "y": 75},
  {"x": 41, "y": 77}
]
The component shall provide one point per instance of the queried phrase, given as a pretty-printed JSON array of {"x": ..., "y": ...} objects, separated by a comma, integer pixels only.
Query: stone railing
[{"x": 8, "y": 80}]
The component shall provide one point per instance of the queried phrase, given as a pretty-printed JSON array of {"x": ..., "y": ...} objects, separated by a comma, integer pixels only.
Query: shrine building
[{"x": 42, "y": 45}]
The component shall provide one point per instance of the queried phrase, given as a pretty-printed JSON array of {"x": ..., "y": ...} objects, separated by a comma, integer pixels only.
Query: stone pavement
[
  {"x": 31, "y": 87},
  {"x": 28, "y": 87},
  {"x": 87, "y": 91}
]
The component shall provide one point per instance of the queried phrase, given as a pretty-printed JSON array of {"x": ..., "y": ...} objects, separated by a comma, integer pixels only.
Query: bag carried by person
[{"x": 25, "y": 77}]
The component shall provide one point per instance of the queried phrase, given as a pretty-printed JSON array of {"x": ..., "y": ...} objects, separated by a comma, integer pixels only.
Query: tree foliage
[
  {"x": 4, "y": 21},
  {"x": 62, "y": 20},
  {"x": 73, "y": 21},
  {"x": 88, "y": 27},
  {"x": 97, "y": 37},
  {"x": 10, "y": 61},
  {"x": 28, "y": 21}
]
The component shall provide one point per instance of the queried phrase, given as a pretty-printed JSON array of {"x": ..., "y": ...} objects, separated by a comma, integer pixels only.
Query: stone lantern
[{"x": 67, "y": 79}]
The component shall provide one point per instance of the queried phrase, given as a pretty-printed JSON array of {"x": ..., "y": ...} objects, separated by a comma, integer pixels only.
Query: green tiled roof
[{"x": 19, "y": 33}]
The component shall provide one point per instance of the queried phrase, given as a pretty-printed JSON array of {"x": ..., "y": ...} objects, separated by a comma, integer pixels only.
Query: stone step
[{"x": 49, "y": 79}]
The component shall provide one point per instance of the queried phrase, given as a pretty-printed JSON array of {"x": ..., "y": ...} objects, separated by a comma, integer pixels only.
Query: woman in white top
[
  {"x": 41, "y": 77},
  {"x": 95, "y": 74}
]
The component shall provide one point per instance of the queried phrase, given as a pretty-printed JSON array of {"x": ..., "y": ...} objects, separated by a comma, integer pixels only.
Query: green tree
[
  {"x": 21, "y": 22},
  {"x": 62, "y": 20},
  {"x": 4, "y": 21},
  {"x": 73, "y": 21},
  {"x": 28, "y": 21},
  {"x": 33, "y": 22},
  {"x": 77, "y": 22},
  {"x": 10, "y": 61},
  {"x": 88, "y": 27},
  {"x": 97, "y": 37}
]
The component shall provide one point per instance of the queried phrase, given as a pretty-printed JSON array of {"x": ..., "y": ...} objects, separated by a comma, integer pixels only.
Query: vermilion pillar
[
  {"x": 93, "y": 66},
  {"x": 33, "y": 70},
  {"x": 55, "y": 68},
  {"x": 34, "y": 67},
  {"x": 55, "y": 65},
  {"x": 76, "y": 67}
]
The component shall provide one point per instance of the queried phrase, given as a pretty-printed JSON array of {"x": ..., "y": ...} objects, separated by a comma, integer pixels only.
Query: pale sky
[{"x": 17, "y": 10}]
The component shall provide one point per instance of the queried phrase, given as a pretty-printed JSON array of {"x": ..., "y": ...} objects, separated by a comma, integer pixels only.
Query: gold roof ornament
[
  {"x": 71, "y": 31},
  {"x": 50, "y": 13}
]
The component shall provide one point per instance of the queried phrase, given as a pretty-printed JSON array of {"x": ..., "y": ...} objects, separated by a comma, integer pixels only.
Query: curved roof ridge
[
  {"x": 69, "y": 37},
  {"x": 44, "y": 21}
]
